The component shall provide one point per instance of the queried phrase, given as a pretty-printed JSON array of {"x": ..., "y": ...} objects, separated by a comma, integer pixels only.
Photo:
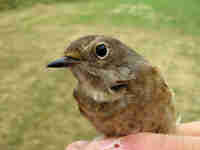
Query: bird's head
[{"x": 99, "y": 60}]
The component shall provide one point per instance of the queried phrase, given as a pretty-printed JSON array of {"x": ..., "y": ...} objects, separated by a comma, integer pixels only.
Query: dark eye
[{"x": 101, "y": 51}]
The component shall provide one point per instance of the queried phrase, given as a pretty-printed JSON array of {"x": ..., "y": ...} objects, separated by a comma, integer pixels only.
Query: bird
[{"x": 118, "y": 90}]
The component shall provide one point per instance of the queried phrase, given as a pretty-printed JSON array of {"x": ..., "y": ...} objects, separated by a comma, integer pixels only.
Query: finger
[
  {"x": 79, "y": 145},
  {"x": 144, "y": 141},
  {"x": 106, "y": 144},
  {"x": 189, "y": 129},
  {"x": 186, "y": 129}
]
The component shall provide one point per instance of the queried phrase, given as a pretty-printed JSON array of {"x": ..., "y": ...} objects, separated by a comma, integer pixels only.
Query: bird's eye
[{"x": 101, "y": 51}]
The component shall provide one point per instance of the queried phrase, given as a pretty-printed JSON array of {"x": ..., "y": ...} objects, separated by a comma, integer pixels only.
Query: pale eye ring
[{"x": 102, "y": 51}]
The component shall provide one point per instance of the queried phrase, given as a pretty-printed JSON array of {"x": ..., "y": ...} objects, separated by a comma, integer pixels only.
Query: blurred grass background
[{"x": 37, "y": 110}]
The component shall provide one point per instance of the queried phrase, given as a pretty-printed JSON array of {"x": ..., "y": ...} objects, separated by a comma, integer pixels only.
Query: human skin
[{"x": 187, "y": 138}]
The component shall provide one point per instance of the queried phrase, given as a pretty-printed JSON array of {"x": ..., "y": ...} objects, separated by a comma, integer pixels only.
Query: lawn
[{"x": 37, "y": 110}]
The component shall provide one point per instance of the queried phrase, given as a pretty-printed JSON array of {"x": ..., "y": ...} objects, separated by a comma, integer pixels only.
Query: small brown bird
[{"x": 118, "y": 90}]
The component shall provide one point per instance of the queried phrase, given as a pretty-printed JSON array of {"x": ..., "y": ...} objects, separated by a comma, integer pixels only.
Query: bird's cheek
[{"x": 78, "y": 73}]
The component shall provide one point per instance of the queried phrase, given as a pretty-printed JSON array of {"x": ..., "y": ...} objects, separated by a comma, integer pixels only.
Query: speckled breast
[{"x": 112, "y": 119}]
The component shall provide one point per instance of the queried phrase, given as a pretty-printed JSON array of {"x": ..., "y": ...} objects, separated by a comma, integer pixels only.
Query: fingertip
[
  {"x": 79, "y": 145},
  {"x": 189, "y": 129}
]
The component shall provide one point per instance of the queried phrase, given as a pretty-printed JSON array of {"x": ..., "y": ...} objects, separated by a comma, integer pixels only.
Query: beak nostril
[{"x": 72, "y": 58}]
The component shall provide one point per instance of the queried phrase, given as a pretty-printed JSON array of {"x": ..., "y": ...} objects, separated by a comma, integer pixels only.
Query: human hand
[{"x": 186, "y": 138}]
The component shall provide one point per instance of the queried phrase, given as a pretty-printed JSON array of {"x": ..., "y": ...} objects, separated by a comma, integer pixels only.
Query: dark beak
[{"x": 63, "y": 62}]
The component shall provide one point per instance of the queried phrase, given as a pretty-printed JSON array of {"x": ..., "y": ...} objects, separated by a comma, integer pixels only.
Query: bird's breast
[{"x": 97, "y": 102}]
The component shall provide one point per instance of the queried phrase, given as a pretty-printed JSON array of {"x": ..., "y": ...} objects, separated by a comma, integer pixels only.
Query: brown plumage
[{"x": 118, "y": 90}]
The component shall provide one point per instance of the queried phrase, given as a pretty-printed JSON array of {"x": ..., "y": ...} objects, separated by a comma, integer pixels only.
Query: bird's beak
[{"x": 66, "y": 61}]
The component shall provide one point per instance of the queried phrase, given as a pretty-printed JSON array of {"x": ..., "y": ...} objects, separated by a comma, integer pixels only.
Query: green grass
[
  {"x": 17, "y": 4},
  {"x": 37, "y": 110}
]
